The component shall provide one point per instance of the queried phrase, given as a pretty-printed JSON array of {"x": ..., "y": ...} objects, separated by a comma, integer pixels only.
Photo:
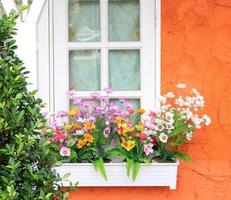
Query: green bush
[{"x": 25, "y": 157}]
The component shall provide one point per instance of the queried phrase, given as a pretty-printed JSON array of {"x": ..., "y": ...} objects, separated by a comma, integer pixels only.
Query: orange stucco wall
[{"x": 196, "y": 50}]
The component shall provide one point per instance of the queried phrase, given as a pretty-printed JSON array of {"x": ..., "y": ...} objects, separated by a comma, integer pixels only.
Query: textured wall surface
[{"x": 196, "y": 50}]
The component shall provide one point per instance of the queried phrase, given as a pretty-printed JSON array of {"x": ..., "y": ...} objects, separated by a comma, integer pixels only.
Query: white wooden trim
[
  {"x": 35, "y": 10},
  {"x": 148, "y": 55},
  {"x": 9, "y": 5},
  {"x": 61, "y": 69},
  {"x": 108, "y": 45},
  {"x": 153, "y": 174},
  {"x": 158, "y": 53}
]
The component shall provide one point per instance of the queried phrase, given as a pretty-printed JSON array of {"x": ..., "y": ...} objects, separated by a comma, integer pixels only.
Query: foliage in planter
[
  {"x": 98, "y": 132},
  {"x": 25, "y": 158}
]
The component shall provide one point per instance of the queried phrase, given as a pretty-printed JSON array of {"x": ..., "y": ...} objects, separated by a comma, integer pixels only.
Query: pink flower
[
  {"x": 143, "y": 136},
  {"x": 108, "y": 90},
  {"x": 148, "y": 148},
  {"x": 95, "y": 95},
  {"x": 76, "y": 100},
  {"x": 106, "y": 132},
  {"x": 71, "y": 93},
  {"x": 152, "y": 114},
  {"x": 64, "y": 151},
  {"x": 59, "y": 136},
  {"x": 92, "y": 119},
  {"x": 150, "y": 126},
  {"x": 62, "y": 114}
]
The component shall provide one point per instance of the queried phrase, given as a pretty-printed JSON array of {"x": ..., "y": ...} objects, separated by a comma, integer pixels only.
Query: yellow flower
[
  {"x": 81, "y": 143},
  {"x": 74, "y": 111},
  {"x": 140, "y": 111},
  {"x": 122, "y": 125},
  {"x": 67, "y": 127},
  {"x": 89, "y": 137},
  {"x": 89, "y": 125},
  {"x": 128, "y": 145},
  {"x": 139, "y": 127}
]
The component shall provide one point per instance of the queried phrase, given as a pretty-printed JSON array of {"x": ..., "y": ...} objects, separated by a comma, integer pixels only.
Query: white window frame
[{"x": 149, "y": 46}]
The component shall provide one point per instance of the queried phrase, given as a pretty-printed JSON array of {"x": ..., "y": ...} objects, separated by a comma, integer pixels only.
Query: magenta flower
[
  {"x": 62, "y": 114},
  {"x": 92, "y": 119},
  {"x": 108, "y": 90},
  {"x": 113, "y": 107},
  {"x": 95, "y": 95},
  {"x": 64, "y": 151},
  {"x": 152, "y": 114},
  {"x": 106, "y": 132},
  {"x": 76, "y": 100},
  {"x": 71, "y": 93}
]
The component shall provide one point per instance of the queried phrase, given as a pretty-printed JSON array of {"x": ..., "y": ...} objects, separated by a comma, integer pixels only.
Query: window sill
[{"x": 154, "y": 174}]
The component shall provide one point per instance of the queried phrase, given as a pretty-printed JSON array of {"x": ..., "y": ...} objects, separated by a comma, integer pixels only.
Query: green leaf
[
  {"x": 136, "y": 169},
  {"x": 182, "y": 156},
  {"x": 99, "y": 166},
  {"x": 66, "y": 175},
  {"x": 129, "y": 164}
]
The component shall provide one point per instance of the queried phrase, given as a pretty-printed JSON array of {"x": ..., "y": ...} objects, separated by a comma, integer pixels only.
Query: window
[{"x": 105, "y": 43}]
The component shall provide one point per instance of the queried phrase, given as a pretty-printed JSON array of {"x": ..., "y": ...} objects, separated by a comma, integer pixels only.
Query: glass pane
[
  {"x": 135, "y": 118},
  {"x": 84, "y": 20},
  {"x": 84, "y": 70},
  {"x": 124, "y": 20},
  {"x": 124, "y": 70}
]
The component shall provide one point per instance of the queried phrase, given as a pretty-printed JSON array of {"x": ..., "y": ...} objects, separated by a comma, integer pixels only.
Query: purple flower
[
  {"x": 76, "y": 100},
  {"x": 106, "y": 132},
  {"x": 99, "y": 109},
  {"x": 104, "y": 98},
  {"x": 95, "y": 95},
  {"x": 71, "y": 93},
  {"x": 108, "y": 90},
  {"x": 127, "y": 104},
  {"x": 86, "y": 103},
  {"x": 92, "y": 119},
  {"x": 62, "y": 113},
  {"x": 113, "y": 107}
]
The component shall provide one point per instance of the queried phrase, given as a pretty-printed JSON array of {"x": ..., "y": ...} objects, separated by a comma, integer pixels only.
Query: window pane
[
  {"x": 124, "y": 20},
  {"x": 84, "y": 70},
  {"x": 84, "y": 20},
  {"x": 135, "y": 118},
  {"x": 124, "y": 70}
]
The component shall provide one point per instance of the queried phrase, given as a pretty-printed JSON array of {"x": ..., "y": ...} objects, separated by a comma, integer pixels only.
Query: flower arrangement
[{"x": 100, "y": 130}]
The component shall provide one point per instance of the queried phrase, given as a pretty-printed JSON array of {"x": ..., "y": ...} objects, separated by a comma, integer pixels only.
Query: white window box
[{"x": 154, "y": 174}]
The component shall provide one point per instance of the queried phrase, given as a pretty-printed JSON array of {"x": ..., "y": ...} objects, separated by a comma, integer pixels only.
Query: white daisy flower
[
  {"x": 169, "y": 116},
  {"x": 189, "y": 135},
  {"x": 79, "y": 132},
  {"x": 170, "y": 95},
  {"x": 206, "y": 119},
  {"x": 163, "y": 137}
]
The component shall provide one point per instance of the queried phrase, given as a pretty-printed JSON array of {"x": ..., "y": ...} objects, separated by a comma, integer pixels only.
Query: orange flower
[
  {"x": 76, "y": 127},
  {"x": 118, "y": 120},
  {"x": 140, "y": 111},
  {"x": 81, "y": 143},
  {"x": 89, "y": 137},
  {"x": 89, "y": 126}
]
